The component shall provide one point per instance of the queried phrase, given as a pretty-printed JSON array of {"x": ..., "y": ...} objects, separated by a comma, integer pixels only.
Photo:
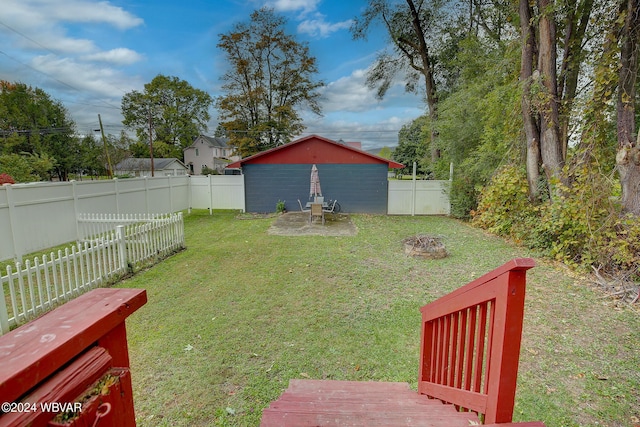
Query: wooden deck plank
[
  {"x": 375, "y": 407},
  {"x": 308, "y": 419},
  {"x": 346, "y": 386},
  {"x": 415, "y": 398},
  {"x": 360, "y": 403}
]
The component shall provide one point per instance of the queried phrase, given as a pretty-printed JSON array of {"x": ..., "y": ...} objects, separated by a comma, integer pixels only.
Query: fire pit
[{"x": 425, "y": 246}]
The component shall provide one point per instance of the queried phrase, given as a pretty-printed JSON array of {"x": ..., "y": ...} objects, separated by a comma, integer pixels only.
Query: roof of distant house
[
  {"x": 212, "y": 141},
  {"x": 133, "y": 163}
]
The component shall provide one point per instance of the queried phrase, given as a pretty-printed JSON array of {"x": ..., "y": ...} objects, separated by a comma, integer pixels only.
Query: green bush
[
  {"x": 581, "y": 226},
  {"x": 206, "y": 170},
  {"x": 619, "y": 246},
  {"x": 504, "y": 207},
  {"x": 571, "y": 227},
  {"x": 463, "y": 196}
]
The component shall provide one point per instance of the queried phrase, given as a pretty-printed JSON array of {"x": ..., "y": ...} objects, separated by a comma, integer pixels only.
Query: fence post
[
  {"x": 4, "y": 313},
  {"x": 210, "y": 194},
  {"x": 17, "y": 249},
  {"x": 122, "y": 248},
  {"x": 75, "y": 208},
  {"x": 170, "y": 193},
  {"x": 189, "y": 194},
  {"x": 117, "y": 192},
  {"x": 413, "y": 191},
  {"x": 146, "y": 194}
]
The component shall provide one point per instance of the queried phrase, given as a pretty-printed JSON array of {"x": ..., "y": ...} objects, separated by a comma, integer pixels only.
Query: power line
[
  {"x": 61, "y": 82},
  {"x": 27, "y": 37},
  {"x": 39, "y": 131},
  {"x": 48, "y": 75}
]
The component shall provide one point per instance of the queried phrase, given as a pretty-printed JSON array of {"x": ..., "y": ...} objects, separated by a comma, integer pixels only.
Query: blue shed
[{"x": 357, "y": 179}]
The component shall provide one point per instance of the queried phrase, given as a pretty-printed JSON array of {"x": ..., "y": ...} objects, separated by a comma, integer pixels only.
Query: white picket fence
[
  {"x": 37, "y": 216},
  {"x": 36, "y": 287},
  {"x": 95, "y": 225}
]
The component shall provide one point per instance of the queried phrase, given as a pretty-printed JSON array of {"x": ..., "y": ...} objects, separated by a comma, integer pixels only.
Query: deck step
[{"x": 359, "y": 403}]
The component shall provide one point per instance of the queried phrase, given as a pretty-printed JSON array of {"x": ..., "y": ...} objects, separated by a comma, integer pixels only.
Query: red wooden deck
[
  {"x": 308, "y": 403},
  {"x": 58, "y": 357},
  {"x": 469, "y": 351}
]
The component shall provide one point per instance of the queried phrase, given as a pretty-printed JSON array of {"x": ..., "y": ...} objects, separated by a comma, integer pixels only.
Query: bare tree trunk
[
  {"x": 628, "y": 156},
  {"x": 550, "y": 147},
  {"x": 427, "y": 72},
  {"x": 531, "y": 130},
  {"x": 575, "y": 29}
]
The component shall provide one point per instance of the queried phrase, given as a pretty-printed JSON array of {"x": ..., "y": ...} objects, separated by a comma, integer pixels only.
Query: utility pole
[
  {"x": 106, "y": 150},
  {"x": 150, "y": 143}
]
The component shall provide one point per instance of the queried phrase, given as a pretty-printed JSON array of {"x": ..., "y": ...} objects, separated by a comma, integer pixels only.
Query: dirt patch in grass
[
  {"x": 256, "y": 215},
  {"x": 297, "y": 224}
]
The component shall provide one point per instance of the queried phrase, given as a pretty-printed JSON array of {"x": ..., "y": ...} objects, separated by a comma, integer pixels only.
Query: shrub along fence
[{"x": 109, "y": 252}]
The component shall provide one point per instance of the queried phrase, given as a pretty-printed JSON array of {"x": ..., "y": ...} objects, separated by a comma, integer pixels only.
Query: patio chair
[
  {"x": 302, "y": 209},
  {"x": 316, "y": 211},
  {"x": 331, "y": 208}
]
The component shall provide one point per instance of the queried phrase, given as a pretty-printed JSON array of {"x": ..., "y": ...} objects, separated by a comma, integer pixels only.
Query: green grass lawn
[{"x": 239, "y": 313}]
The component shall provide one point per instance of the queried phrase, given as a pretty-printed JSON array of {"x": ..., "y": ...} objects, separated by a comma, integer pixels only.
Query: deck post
[
  {"x": 505, "y": 352},
  {"x": 470, "y": 343}
]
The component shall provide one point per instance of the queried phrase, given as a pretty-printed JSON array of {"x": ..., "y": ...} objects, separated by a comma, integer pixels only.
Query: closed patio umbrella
[{"x": 315, "y": 182}]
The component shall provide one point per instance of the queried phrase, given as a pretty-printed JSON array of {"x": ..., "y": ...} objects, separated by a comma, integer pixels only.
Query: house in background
[
  {"x": 357, "y": 179},
  {"x": 142, "y": 167},
  {"x": 210, "y": 152}
]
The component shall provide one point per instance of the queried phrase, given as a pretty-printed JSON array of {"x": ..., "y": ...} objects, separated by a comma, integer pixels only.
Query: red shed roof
[{"x": 314, "y": 149}]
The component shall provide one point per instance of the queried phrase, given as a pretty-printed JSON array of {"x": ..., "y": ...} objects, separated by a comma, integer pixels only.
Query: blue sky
[{"x": 88, "y": 53}]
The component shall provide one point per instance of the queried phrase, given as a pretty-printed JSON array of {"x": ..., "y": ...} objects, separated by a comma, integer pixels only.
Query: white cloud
[
  {"x": 41, "y": 11},
  {"x": 38, "y": 24},
  {"x": 83, "y": 77},
  {"x": 352, "y": 112},
  {"x": 348, "y": 93},
  {"x": 318, "y": 27},
  {"x": 119, "y": 56},
  {"x": 304, "y": 6}
]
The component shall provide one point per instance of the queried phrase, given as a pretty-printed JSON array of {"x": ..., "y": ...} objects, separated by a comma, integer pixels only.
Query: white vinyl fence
[
  {"x": 110, "y": 252},
  {"x": 419, "y": 197},
  {"x": 37, "y": 216}
]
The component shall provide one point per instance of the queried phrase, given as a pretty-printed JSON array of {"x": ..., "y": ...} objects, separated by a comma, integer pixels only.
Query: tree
[
  {"x": 548, "y": 95},
  {"x": 172, "y": 110},
  {"x": 33, "y": 124},
  {"x": 412, "y": 144},
  {"x": 93, "y": 156},
  {"x": 408, "y": 27},
  {"x": 628, "y": 156},
  {"x": 385, "y": 152},
  {"x": 18, "y": 167},
  {"x": 271, "y": 75}
]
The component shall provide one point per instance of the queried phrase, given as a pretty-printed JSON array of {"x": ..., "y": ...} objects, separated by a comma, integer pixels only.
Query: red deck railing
[{"x": 471, "y": 343}]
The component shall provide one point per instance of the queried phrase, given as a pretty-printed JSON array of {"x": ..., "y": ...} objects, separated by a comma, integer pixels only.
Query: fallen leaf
[
  {"x": 304, "y": 375},
  {"x": 189, "y": 347}
]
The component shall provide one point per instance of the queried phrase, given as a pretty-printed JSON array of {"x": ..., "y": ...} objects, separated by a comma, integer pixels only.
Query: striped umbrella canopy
[{"x": 315, "y": 182}]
